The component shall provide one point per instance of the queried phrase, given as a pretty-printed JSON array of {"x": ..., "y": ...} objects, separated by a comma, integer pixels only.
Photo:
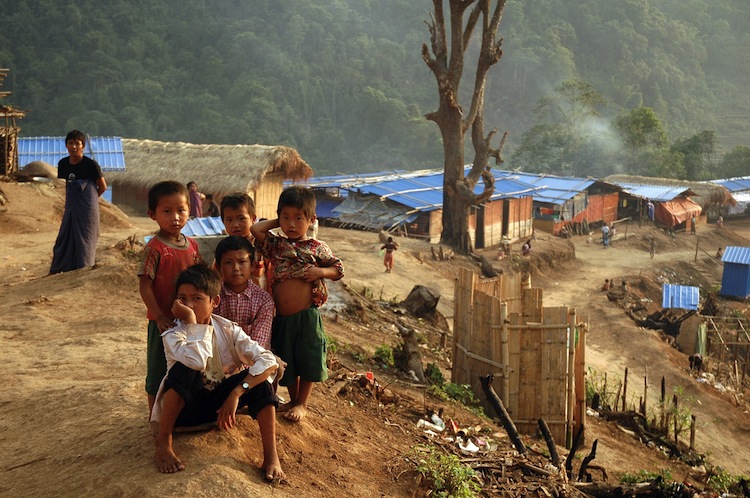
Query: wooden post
[
  {"x": 692, "y": 432},
  {"x": 645, "y": 392},
  {"x": 674, "y": 404},
  {"x": 697, "y": 241},
  {"x": 606, "y": 396},
  {"x": 505, "y": 351},
  {"x": 502, "y": 413},
  {"x": 551, "y": 446},
  {"x": 663, "y": 425},
  {"x": 625, "y": 390},
  {"x": 571, "y": 387},
  {"x": 580, "y": 378}
]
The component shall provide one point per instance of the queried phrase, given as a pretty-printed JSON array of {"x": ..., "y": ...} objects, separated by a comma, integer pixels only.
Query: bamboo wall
[{"x": 501, "y": 327}]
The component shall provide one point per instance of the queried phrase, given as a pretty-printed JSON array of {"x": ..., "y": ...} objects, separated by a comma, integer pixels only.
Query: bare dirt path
[{"x": 615, "y": 342}]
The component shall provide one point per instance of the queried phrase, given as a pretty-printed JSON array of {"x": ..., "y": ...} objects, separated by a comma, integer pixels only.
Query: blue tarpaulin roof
[
  {"x": 107, "y": 151},
  {"x": 735, "y": 254},
  {"x": 197, "y": 227},
  {"x": 418, "y": 190},
  {"x": 659, "y": 193},
  {"x": 551, "y": 189},
  {"x": 739, "y": 184},
  {"x": 680, "y": 296}
]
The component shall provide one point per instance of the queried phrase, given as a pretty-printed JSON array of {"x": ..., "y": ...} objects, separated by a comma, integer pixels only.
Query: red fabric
[
  {"x": 163, "y": 263},
  {"x": 677, "y": 211}
]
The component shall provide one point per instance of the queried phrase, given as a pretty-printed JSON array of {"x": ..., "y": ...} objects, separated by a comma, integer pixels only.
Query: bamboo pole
[
  {"x": 645, "y": 392},
  {"x": 625, "y": 390},
  {"x": 692, "y": 432},
  {"x": 505, "y": 352},
  {"x": 571, "y": 373}
]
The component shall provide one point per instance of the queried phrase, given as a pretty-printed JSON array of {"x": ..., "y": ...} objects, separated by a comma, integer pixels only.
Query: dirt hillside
[{"x": 73, "y": 418}]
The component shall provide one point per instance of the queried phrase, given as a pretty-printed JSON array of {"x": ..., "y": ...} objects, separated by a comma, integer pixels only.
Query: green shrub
[
  {"x": 445, "y": 474},
  {"x": 384, "y": 356}
]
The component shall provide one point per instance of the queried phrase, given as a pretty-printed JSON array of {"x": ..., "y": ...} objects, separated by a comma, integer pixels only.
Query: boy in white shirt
[{"x": 207, "y": 379}]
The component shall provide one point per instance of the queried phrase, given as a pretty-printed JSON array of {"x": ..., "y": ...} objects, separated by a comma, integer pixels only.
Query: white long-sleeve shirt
[{"x": 192, "y": 343}]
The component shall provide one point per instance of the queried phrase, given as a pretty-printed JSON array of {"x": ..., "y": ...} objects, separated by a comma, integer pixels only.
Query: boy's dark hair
[
  {"x": 233, "y": 243},
  {"x": 299, "y": 197},
  {"x": 163, "y": 189},
  {"x": 236, "y": 201},
  {"x": 202, "y": 278},
  {"x": 76, "y": 135},
  {"x": 190, "y": 184}
]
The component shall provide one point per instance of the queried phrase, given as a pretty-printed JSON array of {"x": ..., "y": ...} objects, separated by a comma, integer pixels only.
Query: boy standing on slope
[
  {"x": 207, "y": 378},
  {"x": 299, "y": 265},
  {"x": 164, "y": 257}
]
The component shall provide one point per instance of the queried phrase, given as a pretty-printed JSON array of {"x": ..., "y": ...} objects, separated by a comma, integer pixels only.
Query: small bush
[
  {"x": 384, "y": 356},
  {"x": 445, "y": 474}
]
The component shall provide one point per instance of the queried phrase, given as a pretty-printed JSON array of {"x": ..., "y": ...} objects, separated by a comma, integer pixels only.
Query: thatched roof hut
[
  {"x": 708, "y": 193},
  {"x": 259, "y": 170}
]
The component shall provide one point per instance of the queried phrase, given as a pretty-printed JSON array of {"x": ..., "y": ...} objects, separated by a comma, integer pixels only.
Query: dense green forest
[{"x": 343, "y": 81}]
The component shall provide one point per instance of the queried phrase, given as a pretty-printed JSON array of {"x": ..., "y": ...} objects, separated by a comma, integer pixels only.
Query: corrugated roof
[
  {"x": 738, "y": 184},
  {"x": 197, "y": 227},
  {"x": 659, "y": 193},
  {"x": 735, "y": 254},
  {"x": 684, "y": 297},
  {"x": 107, "y": 151},
  {"x": 420, "y": 190},
  {"x": 551, "y": 189}
]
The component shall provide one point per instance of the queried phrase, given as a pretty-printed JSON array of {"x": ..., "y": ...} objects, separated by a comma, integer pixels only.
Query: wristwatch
[{"x": 245, "y": 386}]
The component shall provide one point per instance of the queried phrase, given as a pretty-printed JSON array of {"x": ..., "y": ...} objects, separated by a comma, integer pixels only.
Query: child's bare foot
[
  {"x": 166, "y": 459},
  {"x": 295, "y": 413},
  {"x": 273, "y": 470}
]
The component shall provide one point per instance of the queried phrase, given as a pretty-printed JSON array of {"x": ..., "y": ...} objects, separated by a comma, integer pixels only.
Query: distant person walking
[
  {"x": 692, "y": 225},
  {"x": 650, "y": 208},
  {"x": 75, "y": 246},
  {"x": 652, "y": 247},
  {"x": 389, "y": 247},
  {"x": 605, "y": 235}
]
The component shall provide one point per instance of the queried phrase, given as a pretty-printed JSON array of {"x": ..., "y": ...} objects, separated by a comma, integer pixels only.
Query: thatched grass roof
[
  {"x": 219, "y": 169},
  {"x": 708, "y": 193}
]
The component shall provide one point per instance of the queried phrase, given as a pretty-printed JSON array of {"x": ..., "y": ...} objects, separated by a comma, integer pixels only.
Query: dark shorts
[
  {"x": 300, "y": 341},
  {"x": 201, "y": 404},
  {"x": 156, "y": 361}
]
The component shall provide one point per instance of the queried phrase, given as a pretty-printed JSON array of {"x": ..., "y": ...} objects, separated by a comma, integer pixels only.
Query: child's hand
[
  {"x": 280, "y": 371},
  {"x": 164, "y": 323},
  {"x": 182, "y": 312},
  {"x": 227, "y": 413},
  {"x": 313, "y": 273}
]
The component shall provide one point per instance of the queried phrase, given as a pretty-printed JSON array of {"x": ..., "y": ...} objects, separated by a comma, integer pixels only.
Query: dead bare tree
[{"x": 447, "y": 65}]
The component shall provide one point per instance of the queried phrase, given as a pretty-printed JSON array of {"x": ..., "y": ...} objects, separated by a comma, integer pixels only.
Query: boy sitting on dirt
[
  {"x": 207, "y": 379},
  {"x": 300, "y": 264}
]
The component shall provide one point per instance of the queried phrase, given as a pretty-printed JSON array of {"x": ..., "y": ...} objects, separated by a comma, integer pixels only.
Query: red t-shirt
[{"x": 163, "y": 262}]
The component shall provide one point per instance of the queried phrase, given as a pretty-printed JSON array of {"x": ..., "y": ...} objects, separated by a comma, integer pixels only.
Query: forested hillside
[{"x": 343, "y": 80}]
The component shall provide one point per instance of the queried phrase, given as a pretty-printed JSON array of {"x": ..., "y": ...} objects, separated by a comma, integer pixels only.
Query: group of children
[{"x": 217, "y": 341}]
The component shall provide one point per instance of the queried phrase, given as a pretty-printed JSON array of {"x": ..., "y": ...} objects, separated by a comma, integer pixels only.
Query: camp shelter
[
  {"x": 739, "y": 189},
  {"x": 259, "y": 170},
  {"x": 411, "y": 202},
  {"x": 107, "y": 151},
  {"x": 559, "y": 200},
  {"x": 673, "y": 204},
  {"x": 735, "y": 281},
  {"x": 685, "y": 297},
  {"x": 711, "y": 197},
  {"x": 8, "y": 132}
]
